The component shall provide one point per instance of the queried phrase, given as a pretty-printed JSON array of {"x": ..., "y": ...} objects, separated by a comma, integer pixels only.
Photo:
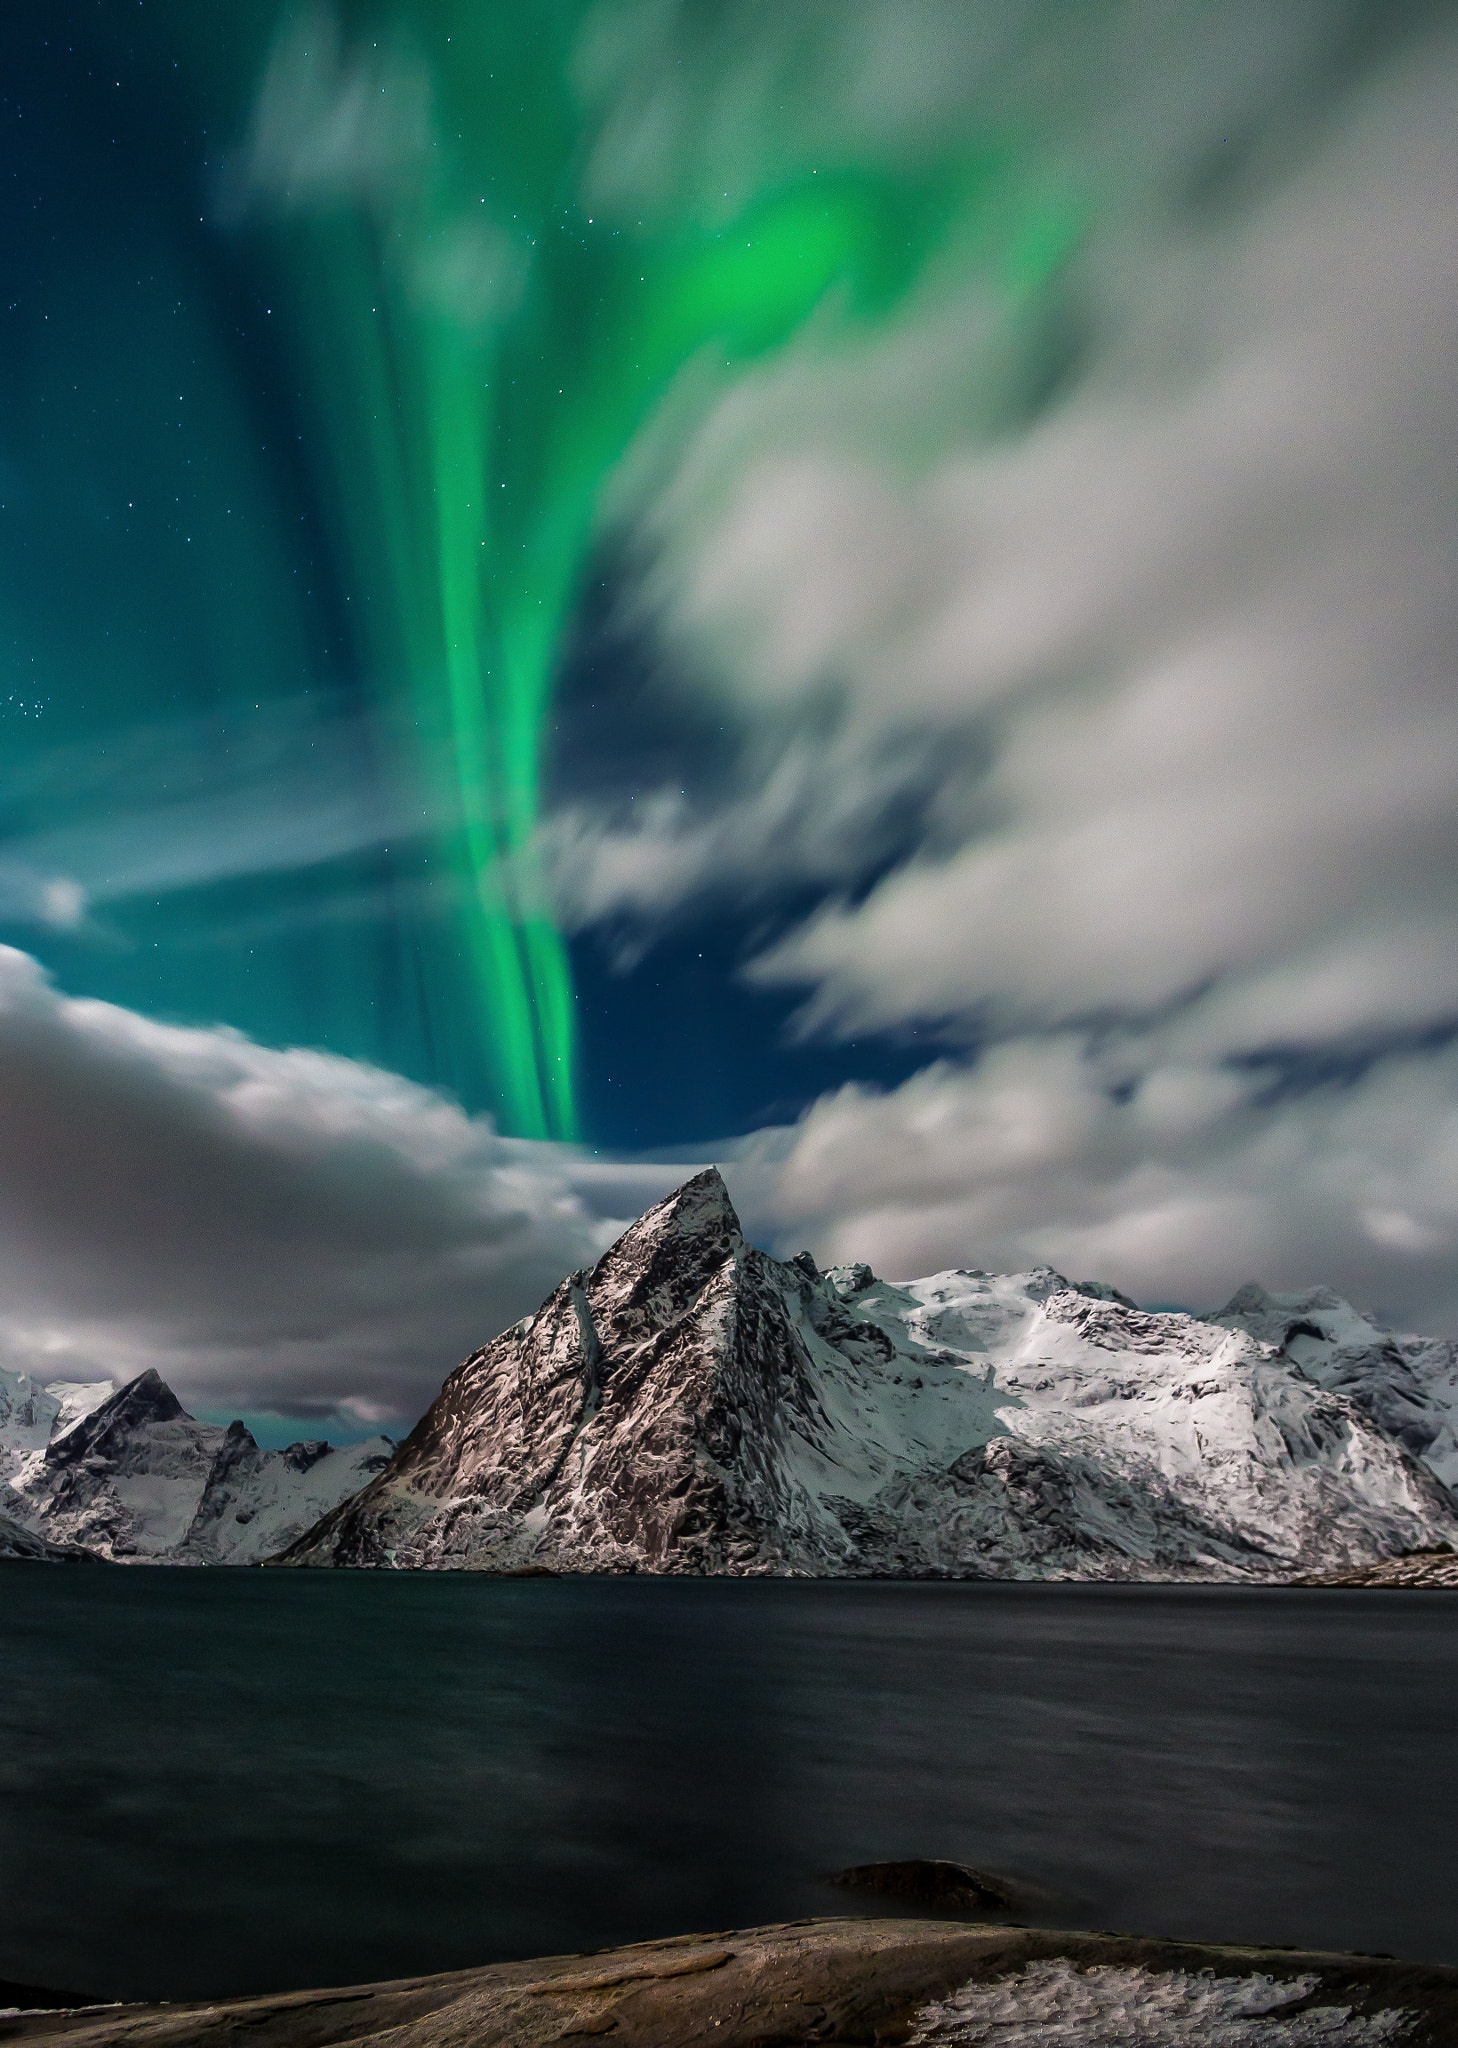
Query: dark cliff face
[
  {"x": 141, "y": 1429},
  {"x": 16, "y": 1541},
  {"x": 632, "y": 1423},
  {"x": 110, "y": 1428},
  {"x": 235, "y": 1462}
]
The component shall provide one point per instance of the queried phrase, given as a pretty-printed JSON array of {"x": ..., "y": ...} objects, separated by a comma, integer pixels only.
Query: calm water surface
[{"x": 220, "y": 1781}]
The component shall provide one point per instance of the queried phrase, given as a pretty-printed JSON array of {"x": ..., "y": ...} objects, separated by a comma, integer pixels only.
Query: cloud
[
  {"x": 638, "y": 862},
  {"x": 28, "y": 896},
  {"x": 1173, "y": 1181},
  {"x": 330, "y": 124},
  {"x": 272, "y": 1230},
  {"x": 1151, "y": 576},
  {"x": 1180, "y": 638},
  {"x": 339, "y": 124},
  {"x": 178, "y": 804}
]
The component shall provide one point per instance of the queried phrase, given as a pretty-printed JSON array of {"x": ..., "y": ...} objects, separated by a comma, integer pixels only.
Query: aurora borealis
[
  {"x": 451, "y": 352},
  {"x": 485, "y": 350},
  {"x": 858, "y": 587}
]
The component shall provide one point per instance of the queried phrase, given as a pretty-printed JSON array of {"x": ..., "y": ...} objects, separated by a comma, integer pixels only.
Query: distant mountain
[
  {"x": 692, "y": 1405},
  {"x": 126, "y": 1474}
]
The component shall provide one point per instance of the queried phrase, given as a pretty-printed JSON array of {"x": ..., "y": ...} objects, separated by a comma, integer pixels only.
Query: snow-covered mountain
[
  {"x": 1408, "y": 1385},
  {"x": 694, "y": 1405},
  {"x": 127, "y": 1474}
]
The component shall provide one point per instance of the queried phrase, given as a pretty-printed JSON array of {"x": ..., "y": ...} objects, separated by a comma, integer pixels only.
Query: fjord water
[{"x": 219, "y": 1781}]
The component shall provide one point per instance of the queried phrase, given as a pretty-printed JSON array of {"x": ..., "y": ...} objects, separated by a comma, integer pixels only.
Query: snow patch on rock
[{"x": 1057, "y": 2005}]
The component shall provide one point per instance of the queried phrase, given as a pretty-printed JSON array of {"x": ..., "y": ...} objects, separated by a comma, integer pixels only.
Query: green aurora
[{"x": 481, "y": 344}]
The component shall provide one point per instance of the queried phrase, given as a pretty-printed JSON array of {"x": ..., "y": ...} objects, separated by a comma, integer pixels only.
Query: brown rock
[
  {"x": 929, "y": 1881},
  {"x": 846, "y": 1981}
]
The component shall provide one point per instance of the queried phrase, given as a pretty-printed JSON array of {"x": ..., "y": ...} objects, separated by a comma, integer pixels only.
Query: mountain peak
[
  {"x": 1274, "y": 1318},
  {"x": 701, "y": 1205},
  {"x": 146, "y": 1399},
  {"x": 664, "y": 1261}
]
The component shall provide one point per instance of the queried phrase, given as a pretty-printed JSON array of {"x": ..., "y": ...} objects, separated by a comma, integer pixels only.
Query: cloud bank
[
  {"x": 1173, "y": 1180},
  {"x": 1184, "y": 641},
  {"x": 294, "y": 1233},
  {"x": 284, "y": 1231}
]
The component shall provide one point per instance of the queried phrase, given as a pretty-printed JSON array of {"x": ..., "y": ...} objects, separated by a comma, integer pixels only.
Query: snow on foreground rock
[
  {"x": 693, "y": 1405},
  {"x": 821, "y": 1980},
  {"x": 1055, "y": 2005},
  {"x": 128, "y": 1475}
]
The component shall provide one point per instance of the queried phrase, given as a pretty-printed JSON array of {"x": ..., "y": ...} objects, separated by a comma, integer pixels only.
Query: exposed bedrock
[{"x": 858, "y": 1981}]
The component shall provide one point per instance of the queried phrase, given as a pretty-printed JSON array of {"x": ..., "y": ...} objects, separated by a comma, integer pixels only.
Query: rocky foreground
[
  {"x": 692, "y": 1405},
  {"x": 863, "y": 1981},
  {"x": 1429, "y": 1571}
]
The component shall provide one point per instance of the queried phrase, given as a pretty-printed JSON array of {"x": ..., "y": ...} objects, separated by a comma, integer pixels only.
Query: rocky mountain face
[
  {"x": 126, "y": 1474},
  {"x": 691, "y": 1405},
  {"x": 16, "y": 1541}
]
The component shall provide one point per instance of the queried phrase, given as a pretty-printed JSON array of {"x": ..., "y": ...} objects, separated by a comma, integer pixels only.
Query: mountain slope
[
  {"x": 16, "y": 1541},
  {"x": 1408, "y": 1385},
  {"x": 693, "y": 1405}
]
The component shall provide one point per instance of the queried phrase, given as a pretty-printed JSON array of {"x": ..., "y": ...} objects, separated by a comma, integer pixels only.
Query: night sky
[{"x": 863, "y": 588}]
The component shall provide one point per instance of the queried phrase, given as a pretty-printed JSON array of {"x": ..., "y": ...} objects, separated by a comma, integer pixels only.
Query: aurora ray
[
  {"x": 334, "y": 569},
  {"x": 486, "y": 351}
]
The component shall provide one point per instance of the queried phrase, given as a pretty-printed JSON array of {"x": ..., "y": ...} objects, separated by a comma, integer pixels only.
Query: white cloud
[
  {"x": 332, "y": 124},
  {"x": 29, "y": 896},
  {"x": 813, "y": 808},
  {"x": 1174, "y": 1182},
  {"x": 1181, "y": 641},
  {"x": 181, "y": 803},
  {"x": 338, "y": 124},
  {"x": 1182, "y": 645},
  {"x": 63, "y": 903},
  {"x": 270, "y": 1229}
]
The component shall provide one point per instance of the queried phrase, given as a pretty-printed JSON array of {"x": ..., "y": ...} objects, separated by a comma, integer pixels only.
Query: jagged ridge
[{"x": 691, "y": 1405}]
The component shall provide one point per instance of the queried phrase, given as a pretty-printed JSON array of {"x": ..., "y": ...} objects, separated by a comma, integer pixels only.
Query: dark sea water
[{"x": 221, "y": 1781}]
